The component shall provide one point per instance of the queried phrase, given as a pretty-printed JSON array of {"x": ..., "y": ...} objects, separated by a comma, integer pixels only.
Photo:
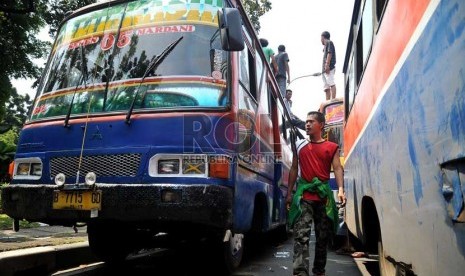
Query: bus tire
[
  {"x": 386, "y": 268},
  {"x": 282, "y": 232},
  {"x": 233, "y": 251},
  {"x": 107, "y": 243}
]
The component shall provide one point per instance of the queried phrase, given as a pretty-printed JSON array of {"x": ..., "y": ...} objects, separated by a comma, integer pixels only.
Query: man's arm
[
  {"x": 328, "y": 62},
  {"x": 291, "y": 180},
  {"x": 288, "y": 71},
  {"x": 274, "y": 63},
  {"x": 339, "y": 174}
]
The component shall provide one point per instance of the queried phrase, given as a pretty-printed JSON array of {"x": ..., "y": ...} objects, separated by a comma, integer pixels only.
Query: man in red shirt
[{"x": 313, "y": 199}]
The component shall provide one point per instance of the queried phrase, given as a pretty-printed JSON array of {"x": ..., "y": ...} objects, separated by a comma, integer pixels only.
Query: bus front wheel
[
  {"x": 233, "y": 251},
  {"x": 108, "y": 243}
]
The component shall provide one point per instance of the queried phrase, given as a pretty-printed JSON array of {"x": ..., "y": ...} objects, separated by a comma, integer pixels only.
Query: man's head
[
  {"x": 263, "y": 42},
  {"x": 281, "y": 48},
  {"x": 315, "y": 122},
  {"x": 288, "y": 94},
  {"x": 325, "y": 36}
]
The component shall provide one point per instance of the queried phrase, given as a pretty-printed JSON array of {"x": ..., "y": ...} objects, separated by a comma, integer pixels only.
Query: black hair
[
  {"x": 325, "y": 34},
  {"x": 263, "y": 42},
  {"x": 319, "y": 116},
  {"x": 281, "y": 48}
]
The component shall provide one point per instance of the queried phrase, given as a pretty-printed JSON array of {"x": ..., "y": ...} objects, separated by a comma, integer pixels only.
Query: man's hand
[
  {"x": 288, "y": 201},
  {"x": 342, "y": 196},
  {"x": 327, "y": 69}
]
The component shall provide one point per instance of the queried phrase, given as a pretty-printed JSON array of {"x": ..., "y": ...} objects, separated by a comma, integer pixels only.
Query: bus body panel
[{"x": 416, "y": 129}]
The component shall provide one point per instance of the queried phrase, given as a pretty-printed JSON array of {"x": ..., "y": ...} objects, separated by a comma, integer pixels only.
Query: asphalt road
[{"x": 263, "y": 257}]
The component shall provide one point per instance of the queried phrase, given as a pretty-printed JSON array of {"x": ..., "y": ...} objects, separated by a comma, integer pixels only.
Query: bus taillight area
[{"x": 200, "y": 205}]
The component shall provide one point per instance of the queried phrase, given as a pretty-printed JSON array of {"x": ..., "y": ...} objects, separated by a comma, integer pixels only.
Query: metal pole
[{"x": 304, "y": 76}]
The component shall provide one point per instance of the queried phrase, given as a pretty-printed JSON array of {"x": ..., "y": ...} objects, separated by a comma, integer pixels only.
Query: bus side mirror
[{"x": 230, "y": 24}]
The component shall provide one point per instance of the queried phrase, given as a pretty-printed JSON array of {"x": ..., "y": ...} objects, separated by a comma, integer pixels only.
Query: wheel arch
[
  {"x": 260, "y": 221},
  {"x": 371, "y": 228}
]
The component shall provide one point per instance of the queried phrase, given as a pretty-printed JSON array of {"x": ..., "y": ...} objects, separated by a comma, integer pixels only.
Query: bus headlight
[
  {"x": 36, "y": 169},
  {"x": 23, "y": 169},
  {"x": 91, "y": 177},
  {"x": 60, "y": 179},
  {"x": 170, "y": 166},
  {"x": 28, "y": 168}
]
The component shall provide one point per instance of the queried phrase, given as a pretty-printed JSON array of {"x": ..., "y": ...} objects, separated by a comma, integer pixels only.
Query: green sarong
[{"x": 323, "y": 190}]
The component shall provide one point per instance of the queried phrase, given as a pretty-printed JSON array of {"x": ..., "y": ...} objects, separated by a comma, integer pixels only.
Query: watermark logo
[{"x": 225, "y": 135}]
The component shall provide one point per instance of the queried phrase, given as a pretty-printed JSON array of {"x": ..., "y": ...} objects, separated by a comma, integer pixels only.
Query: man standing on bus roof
[
  {"x": 313, "y": 199},
  {"x": 283, "y": 69},
  {"x": 269, "y": 54},
  {"x": 329, "y": 66}
]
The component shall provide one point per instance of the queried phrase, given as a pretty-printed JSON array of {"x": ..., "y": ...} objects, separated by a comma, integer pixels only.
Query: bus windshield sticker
[
  {"x": 334, "y": 114},
  {"x": 147, "y": 17}
]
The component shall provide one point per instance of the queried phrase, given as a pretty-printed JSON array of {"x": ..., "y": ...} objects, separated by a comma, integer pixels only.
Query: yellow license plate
[{"x": 77, "y": 200}]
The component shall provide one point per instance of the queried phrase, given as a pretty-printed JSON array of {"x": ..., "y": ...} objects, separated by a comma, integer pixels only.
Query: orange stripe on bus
[
  {"x": 397, "y": 27},
  {"x": 122, "y": 118}
]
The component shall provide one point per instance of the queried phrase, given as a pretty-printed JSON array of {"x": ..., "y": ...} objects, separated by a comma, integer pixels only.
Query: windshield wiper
[
  {"x": 82, "y": 77},
  {"x": 153, "y": 64}
]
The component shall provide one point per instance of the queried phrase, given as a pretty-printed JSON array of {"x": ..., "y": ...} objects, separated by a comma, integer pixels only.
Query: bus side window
[
  {"x": 282, "y": 122},
  {"x": 265, "y": 101},
  {"x": 262, "y": 85},
  {"x": 247, "y": 74},
  {"x": 244, "y": 69}
]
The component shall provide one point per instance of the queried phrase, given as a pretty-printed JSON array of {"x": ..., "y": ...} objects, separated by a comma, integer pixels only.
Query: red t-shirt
[{"x": 315, "y": 161}]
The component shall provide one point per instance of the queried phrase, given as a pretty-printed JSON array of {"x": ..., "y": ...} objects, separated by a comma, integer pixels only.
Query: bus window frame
[
  {"x": 379, "y": 14},
  {"x": 355, "y": 51},
  {"x": 249, "y": 52}
]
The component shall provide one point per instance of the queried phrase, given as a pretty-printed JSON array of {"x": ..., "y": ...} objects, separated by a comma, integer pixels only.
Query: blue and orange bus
[
  {"x": 156, "y": 116},
  {"x": 404, "y": 134}
]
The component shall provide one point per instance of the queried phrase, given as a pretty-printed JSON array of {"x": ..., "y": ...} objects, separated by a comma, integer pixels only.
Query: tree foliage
[
  {"x": 255, "y": 9},
  {"x": 7, "y": 153},
  {"x": 16, "y": 110},
  {"x": 20, "y": 44},
  {"x": 58, "y": 9}
]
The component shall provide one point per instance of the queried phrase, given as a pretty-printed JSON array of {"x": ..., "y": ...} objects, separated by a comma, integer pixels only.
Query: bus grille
[{"x": 101, "y": 165}]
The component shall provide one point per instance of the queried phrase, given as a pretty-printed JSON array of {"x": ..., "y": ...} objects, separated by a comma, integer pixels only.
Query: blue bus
[
  {"x": 404, "y": 134},
  {"x": 155, "y": 117}
]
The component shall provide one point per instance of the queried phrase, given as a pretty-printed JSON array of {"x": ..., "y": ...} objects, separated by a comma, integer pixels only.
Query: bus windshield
[
  {"x": 100, "y": 57},
  {"x": 334, "y": 117}
]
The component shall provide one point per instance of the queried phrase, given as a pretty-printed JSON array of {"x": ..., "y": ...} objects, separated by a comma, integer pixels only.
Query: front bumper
[{"x": 203, "y": 205}]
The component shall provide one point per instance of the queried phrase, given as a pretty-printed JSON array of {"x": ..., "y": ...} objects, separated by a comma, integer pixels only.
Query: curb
[{"x": 44, "y": 259}]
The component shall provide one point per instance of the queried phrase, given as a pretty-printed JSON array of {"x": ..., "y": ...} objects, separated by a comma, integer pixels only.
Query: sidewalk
[
  {"x": 43, "y": 249},
  {"x": 44, "y": 235}
]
